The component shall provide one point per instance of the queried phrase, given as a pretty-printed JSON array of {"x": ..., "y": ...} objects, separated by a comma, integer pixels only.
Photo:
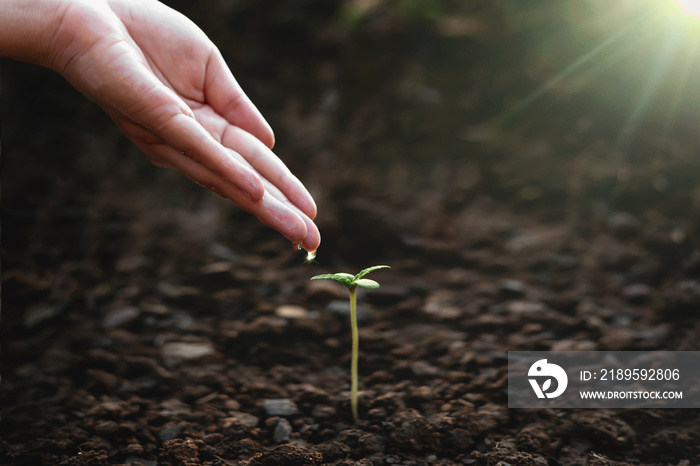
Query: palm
[{"x": 167, "y": 87}]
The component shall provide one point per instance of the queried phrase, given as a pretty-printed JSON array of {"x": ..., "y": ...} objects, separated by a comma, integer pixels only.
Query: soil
[{"x": 148, "y": 321}]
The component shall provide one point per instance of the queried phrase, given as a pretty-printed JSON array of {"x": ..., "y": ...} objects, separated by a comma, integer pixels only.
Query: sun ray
[
  {"x": 692, "y": 7},
  {"x": 658, "y": 71},
  {"x": 586, "y": 58},
  {"x": 682, "y": 85}
]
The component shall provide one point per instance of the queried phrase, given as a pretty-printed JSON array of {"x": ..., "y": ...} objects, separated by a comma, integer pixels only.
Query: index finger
[{"x": 224, "y": 94}]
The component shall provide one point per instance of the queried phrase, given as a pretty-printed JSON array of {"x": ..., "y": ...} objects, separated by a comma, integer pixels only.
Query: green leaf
[
  {"x": 366, "y": 283},
  {"x": 344, "y": 278},
  {"x": 368, "y": 270}
]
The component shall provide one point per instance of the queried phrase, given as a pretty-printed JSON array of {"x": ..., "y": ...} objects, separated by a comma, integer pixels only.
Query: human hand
[{"x": 169, "y": 90}]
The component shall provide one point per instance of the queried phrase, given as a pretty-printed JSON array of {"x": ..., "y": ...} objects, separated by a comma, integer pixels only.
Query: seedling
[{"x": 352, "y": 282}]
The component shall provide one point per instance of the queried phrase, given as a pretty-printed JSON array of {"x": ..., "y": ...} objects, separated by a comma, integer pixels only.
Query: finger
[
  {"x": 224, "y": 94},
  {"x": 259, "y": 157},
  {"x": 187, "y": 137},
  {"x": 276, "y": 214},
  {"x": 269, "y": 209},
  {"x": 313, "y": 236},
  {"x": 270, "y": 167}
]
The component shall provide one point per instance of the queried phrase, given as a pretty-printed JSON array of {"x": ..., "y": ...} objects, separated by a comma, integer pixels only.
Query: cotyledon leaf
[
  {"x": 366, "y": 283},
  {"x": 344, "y": 278},
  {"x": 370, "y": 269}
]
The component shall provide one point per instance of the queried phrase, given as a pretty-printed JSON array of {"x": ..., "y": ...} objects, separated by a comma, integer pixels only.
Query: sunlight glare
[{"x": 692, "y": 7}]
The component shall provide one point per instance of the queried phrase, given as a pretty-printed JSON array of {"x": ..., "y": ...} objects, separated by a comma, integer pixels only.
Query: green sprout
[{"x": 352, "y": 282}]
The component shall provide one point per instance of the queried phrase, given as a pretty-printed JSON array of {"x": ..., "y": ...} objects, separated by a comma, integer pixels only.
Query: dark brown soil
[{"x": 147, "y": 321}]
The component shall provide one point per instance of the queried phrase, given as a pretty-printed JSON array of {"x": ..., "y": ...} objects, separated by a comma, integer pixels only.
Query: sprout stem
[
  {"x": 352, "y": 282},
  {"x": 355, "y": 352}
]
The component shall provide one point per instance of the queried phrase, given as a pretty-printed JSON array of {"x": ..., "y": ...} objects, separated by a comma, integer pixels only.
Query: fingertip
[
  {"x": 255, "y": 188},
  {"x": 311, "y": 209},
  {"x": 263, "y": 130},
  {"x": 271, "y": 138},
  {"x": 296, "y": 229},
  {"x": 258, "y": 190},
  {"x": 285, "y": 220},
  {"x": 297, "y": 193},
  {"x": 311, "y": 245},
  {"x": 313, "y": 238}
]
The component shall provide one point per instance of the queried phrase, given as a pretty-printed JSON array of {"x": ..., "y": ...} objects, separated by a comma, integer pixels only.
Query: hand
[{"x": 169, "y": 90}]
